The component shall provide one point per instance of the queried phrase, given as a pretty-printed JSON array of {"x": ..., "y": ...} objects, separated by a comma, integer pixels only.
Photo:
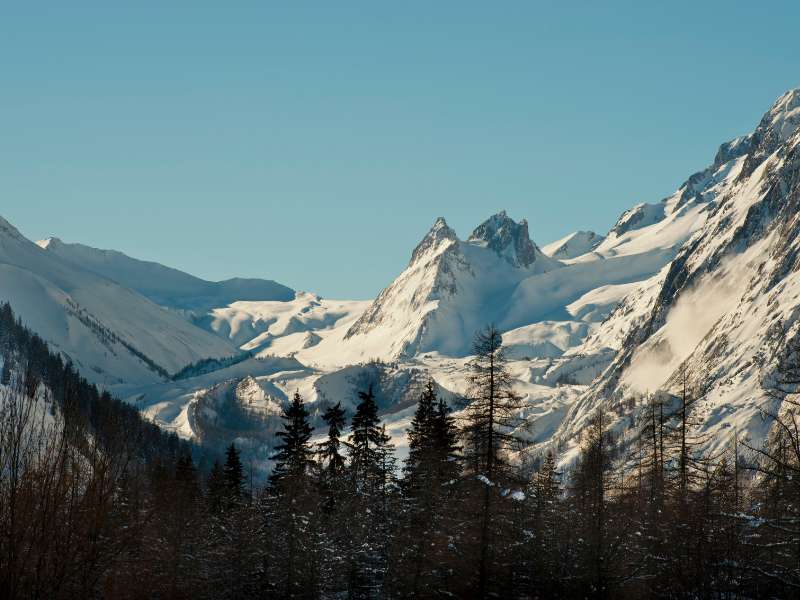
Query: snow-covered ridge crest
[
  {"x": 434, "y": 273},
  {"x": 729, "y": 301},
  {"x": 573, "y": 245},
  {"x": 110, "y": 332},
  {"x": 163, "y": 285}
]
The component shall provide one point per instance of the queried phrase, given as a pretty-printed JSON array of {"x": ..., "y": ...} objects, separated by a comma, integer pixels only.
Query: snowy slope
[
  {"x": 449, "y": 290},
  {"x": 729, "y": 301},
  {"x": 573, "y": 245},
  {"x": 282, "y": 327},
  {"x": 112, "y": 333},
  {"x": 163, "y": 285}
]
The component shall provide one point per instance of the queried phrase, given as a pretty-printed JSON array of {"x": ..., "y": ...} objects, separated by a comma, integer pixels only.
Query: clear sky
[{"x": 315, "y": 143}]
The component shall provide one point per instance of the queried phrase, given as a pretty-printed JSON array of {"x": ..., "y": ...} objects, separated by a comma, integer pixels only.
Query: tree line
[{"x": 94, "y": 503}]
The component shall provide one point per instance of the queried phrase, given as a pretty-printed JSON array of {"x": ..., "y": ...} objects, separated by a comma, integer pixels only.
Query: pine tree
[
  {"x": 544, "y": 500},
  {"x": 421, "y": 436},
  {"x": 233, "y": 475},
  {"x": 445, "y": 434},
  {"x": 293, "y": 542},
  {"x": 330, "y": 456},
  {"x": 333, "y": 491},
  {"x": 216, "y": 491},
  {"x": 364, "y": 439},
  {"x": 371, "y": 463},
  {"x": 430, "y": 470},
  {"x": 294, "y": 456},
  {"x": 433, "y": 446}
]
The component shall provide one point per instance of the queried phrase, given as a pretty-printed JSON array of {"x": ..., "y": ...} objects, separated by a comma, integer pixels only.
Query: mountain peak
[
  {"x": 784, "y": 116},
  {"x": 777, "y": 125},
  {"x": 50, "y": 242},
  {"x": 507, "y": 238},
  {"x": 440, "y": 231}
]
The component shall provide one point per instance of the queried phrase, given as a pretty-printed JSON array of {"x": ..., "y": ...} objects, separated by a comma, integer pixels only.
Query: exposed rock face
[
  {"x": 507, "y": 238},
  {"x": 440, "y": 233}
]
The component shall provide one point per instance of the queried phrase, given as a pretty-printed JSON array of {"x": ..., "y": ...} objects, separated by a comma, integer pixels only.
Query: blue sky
[{"x": 315, "y": 143}]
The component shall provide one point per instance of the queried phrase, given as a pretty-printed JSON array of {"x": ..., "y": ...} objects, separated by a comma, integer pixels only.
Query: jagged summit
[
  {"x": 507, "y": 238},
  {"x": 784, "y": 116},
  {"x": 439, "y": 232}
]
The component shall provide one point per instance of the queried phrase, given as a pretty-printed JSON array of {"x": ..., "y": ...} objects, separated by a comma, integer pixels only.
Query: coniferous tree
[
  {"x": 591, "y": 483},
  {"x": 368, "y": 499},
  {"x": 545, "y": 497},
  {"x": 490, "y": 421},
  {"x": 333, "y": 501},
  {"x": 294, "y": 456},
  {"x": 216, "y": 490},
  {"x": 233, "y": 474},
  {"x": 294, "y": 541},
  {"x": 332, "y": 461},
  {"x": 431, "y": 469}
]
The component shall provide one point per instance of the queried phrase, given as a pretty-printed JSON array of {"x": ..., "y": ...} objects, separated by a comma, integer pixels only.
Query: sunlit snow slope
[{"x": 110, "y": 332}]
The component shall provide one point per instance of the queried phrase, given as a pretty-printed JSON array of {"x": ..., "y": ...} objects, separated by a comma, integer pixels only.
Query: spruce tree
[
  {"x": 333, "y": 490},
  {"x": 233, "y": 475},
  {"x": 365, "y": 437},
  {"x": 293, "y": 505},
  {"x": 447, "y": 448},
  {"x": 330, "y": 454},
  {"x": 420, "y": 435},
  {"x": 420, "y": 550},
  {"x": 370, "y": 458},
  {"x": 294, "y": 455},
  {"x": 216, "y": 489}
]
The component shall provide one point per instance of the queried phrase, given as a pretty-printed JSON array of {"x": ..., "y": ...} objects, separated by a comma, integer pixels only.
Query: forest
[{"x": 96, "y": 502}]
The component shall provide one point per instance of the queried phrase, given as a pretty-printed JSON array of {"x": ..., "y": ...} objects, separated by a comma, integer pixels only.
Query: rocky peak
[
  {"x": 507, "y": 238},
  {"x": 784, "y": 116},
  {"x": 777, "y": 125},
  {"x": 438, "y": 233}
]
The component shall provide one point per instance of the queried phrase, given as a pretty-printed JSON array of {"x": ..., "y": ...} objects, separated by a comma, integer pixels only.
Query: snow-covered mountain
[
  {"x": 449, "y": 289},
  {"x": 498, "y": 275},
  {"x": 707, "y": 276},
  {"x": 729, "y": 302},
  {"x": 110, "y": 332},
  {"x": 163, "y": 285}
]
